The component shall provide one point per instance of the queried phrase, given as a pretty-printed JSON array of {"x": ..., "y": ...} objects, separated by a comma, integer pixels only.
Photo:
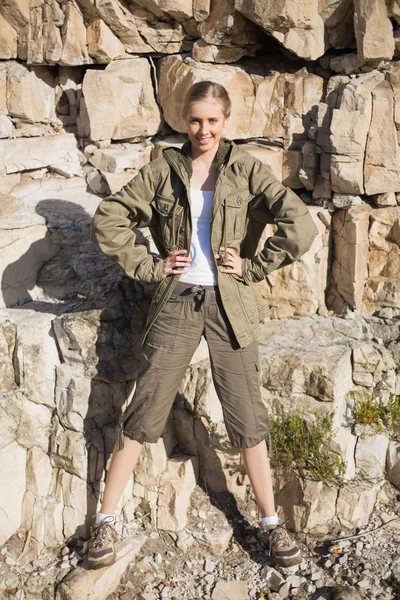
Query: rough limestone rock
[
  {"x": 36, "y": 356},
  {"x": 73, "y": 31},
  {"x": 8, "y": 40},
  {"x": 349, "y": 130},
  {"x": 30, "y": 93},
  {"x": 59, "y": 152},
  {"x": 66, "y": 206},
  {"x": 203, "y": 52},
  {"x": 373, "y": 30},
  {"x": 230, "y": 589},
  {"x": 393, "y": 463},
  {"x": 24, "y": 248},
  {"x": 176, "y": 486},
  {"x": 371, "y": 458},
  {"x": 216, "y": 539},
  {"x": 382, "y": 155},
  {"x": 126, "y": 95},
  {"x": 7, "y": 183},
  {"x": 117, "y": 158},
  {"x": 355, "y": 502},
  {"x": 12, "y": 470},
  {"x": 7, "y": 348},
  {"x": 100, "y": 583},
  {"x": 103, "y": 45},
  {"x": 382, "y": 287},
  {"x": 298, "y": 27},
  {"x": 306, "y": 504},
  {"x": 351, "y": 253},
  {"x": 312, "y": 377},
  {"x": 372, "y": 364}
]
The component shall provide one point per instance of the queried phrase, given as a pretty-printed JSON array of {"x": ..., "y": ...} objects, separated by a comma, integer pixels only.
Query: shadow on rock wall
[{"x": 98, "y": 323}]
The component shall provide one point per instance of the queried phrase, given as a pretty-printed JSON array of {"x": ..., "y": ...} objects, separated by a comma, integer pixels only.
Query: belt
[{"x": 196, "y": 291}]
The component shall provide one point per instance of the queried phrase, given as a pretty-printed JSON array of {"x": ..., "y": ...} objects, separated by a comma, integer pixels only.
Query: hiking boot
[
  {"x": 101, "y": 551},
  {"x": 284, "y": 550}
]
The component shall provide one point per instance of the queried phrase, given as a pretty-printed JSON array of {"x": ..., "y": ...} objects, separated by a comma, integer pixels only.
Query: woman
[{"x": 206, "y": 206}]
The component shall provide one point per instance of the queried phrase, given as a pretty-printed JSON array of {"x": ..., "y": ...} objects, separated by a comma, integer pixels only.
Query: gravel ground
[
  {"x": 218, "y": 557},
  {"x": 367, "y": 565}
]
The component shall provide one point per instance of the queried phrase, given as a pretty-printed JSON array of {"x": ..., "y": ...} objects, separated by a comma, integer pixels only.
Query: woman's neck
[
  {"x": 204, "y": 174},
  {"x": 204, "y": 159}
]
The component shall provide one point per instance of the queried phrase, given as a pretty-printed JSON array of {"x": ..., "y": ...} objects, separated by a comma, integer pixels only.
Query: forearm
[{"x": 112, "y": 230}]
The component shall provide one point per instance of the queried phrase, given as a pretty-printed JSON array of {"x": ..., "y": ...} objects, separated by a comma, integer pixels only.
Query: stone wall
[{"x": 90, "y": 92}]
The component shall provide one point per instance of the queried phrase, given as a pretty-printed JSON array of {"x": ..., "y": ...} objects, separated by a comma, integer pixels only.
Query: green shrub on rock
[
  {"x": 306, "y": 446},
  {"x": 373, "y": 411}
]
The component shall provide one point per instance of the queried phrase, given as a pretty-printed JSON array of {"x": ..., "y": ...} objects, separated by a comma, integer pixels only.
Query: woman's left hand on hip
[{"x": 229, "y": 262}]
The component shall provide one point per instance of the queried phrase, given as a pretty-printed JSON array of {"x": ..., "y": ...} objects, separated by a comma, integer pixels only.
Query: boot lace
[
  {"x": 279, "y": 537},
  {"x": 102, "y": 533}
]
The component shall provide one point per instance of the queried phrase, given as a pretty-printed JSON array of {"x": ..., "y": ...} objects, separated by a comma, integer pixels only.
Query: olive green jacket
[{"x": 247, "y": 197}]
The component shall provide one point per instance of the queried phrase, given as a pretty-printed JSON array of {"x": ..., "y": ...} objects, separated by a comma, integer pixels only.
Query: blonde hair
[{"x": 207, "y": 89}]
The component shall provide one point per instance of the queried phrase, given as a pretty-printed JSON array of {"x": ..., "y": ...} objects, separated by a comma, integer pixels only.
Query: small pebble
[
  {"x": 295, "y": 581},
  {"x": 284, "y": 590},
  {"x": 209, "y": 566},
  {"x": 364, "y": 584}
]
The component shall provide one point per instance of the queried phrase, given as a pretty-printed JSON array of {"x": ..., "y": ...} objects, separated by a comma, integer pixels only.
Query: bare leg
[
  {"x": 256, "y": 461},
  {"x": 122, "y": 464}
]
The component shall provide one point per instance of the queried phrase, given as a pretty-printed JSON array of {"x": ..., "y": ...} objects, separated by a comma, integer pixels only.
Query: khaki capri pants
[{"x": 193, "y": 311}]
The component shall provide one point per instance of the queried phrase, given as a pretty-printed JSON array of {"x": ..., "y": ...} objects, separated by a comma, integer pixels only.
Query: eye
[{"x": 213, "y": 120}]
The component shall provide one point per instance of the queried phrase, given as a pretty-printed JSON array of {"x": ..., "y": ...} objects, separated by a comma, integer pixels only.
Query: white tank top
[{"x": 202, "y": 271}]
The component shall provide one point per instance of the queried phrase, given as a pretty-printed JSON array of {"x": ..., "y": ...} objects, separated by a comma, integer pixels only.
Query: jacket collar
[{"x": 181, "y": 159}]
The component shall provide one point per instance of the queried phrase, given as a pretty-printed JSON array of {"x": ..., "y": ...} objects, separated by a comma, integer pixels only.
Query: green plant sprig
[
  {"x": 307, "y": 445},
  {"x": 372, "y": 411}
]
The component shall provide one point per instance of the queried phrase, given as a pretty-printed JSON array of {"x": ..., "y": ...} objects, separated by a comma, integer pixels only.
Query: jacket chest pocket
[
  {"x": 236, "y": 211},
  {"x": 169, "y": 213}
]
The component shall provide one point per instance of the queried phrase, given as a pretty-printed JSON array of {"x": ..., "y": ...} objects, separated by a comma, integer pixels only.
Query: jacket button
[{"x": 239, "y": 199}]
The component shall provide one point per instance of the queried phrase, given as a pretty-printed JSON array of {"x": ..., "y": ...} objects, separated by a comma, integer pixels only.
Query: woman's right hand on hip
[{"x": 176, "y": 263}]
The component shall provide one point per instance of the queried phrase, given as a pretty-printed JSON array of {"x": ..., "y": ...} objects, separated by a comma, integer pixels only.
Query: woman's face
[{"x": 205, "y": 123}]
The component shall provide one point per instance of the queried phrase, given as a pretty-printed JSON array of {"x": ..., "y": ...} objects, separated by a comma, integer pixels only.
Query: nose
[{"x": 204, "y": 129}]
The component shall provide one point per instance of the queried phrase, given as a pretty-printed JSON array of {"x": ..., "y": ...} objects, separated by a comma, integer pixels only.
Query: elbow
[{"x": 308, "y": 235}]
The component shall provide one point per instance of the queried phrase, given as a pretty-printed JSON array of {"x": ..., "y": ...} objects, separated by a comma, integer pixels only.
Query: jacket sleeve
[
  {"x": 112, "y": 225},
  {"x": 295, "y": 228}
]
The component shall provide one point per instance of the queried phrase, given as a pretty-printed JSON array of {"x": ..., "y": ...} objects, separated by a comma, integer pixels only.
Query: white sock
[
  {"x": 101, "y": 516},
  {"x": 267, "y": 522}
]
